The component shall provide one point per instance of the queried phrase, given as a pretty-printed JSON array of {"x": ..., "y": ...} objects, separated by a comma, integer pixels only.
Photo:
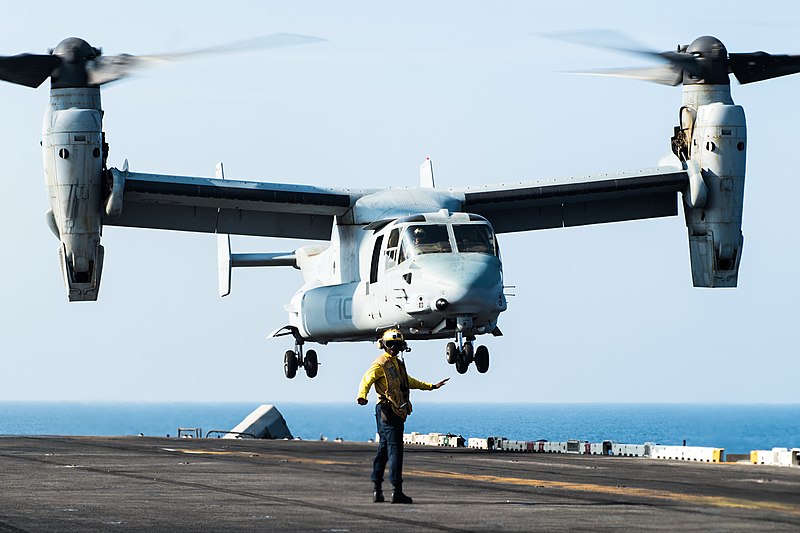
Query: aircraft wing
[
  {"x": 577, "y": 201},
  {"x": 225, "y": 206}
]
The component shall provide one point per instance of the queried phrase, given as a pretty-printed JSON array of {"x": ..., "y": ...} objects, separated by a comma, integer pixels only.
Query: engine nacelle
[
  {"x": 713, "y": 208},
  {"x": 72, "y": 144}
]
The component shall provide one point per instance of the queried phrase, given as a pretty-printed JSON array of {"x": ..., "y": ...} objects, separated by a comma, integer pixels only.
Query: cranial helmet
[
  {"x": 392, "y": 339},
  {"x": 392, "y": 335}
]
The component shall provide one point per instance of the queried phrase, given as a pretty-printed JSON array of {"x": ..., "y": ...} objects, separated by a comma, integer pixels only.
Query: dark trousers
[{"x": 390, "y": 446}]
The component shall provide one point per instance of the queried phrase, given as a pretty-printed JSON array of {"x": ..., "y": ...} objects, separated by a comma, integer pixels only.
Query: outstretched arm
[
  {"x": 440, "y": 384},
  {"x": 414, "y": 383}
]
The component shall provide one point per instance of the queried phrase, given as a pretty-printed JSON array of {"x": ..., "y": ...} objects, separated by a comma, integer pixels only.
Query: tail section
[
  {"x": 227, "y": 260},
  {"x": 426, "y": 174}
]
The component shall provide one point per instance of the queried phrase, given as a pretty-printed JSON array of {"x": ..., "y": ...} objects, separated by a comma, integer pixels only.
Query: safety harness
[{"x": 397, "y": 388}]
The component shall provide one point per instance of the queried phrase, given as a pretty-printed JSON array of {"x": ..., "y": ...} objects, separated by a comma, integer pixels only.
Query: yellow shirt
[{"x": 375, "y": 376}]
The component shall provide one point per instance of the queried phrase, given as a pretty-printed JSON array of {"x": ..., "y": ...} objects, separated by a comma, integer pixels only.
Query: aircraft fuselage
[{"x": 431, "y": 275}]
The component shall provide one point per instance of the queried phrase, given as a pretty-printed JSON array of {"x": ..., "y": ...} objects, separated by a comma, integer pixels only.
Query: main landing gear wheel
[
  {"x": 294, "y": 359},
  {"x": 452, "y": 353},
  {"x": 290, "y": 364},
  {"x": 482, "y": 359},
  {"x": 311, "y": 364},
  {"x": 462, "y": 357},
  {"x": 469, "y": 352},
  {"x": 465, "y": 358}
]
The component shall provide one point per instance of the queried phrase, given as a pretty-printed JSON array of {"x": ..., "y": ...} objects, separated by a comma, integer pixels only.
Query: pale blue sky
[{"x": 605, "y": 313}]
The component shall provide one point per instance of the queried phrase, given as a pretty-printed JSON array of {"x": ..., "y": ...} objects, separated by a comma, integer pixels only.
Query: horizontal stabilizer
[
  {"x": 264, "y": 260},
  {"x": 226, "y": 261}
]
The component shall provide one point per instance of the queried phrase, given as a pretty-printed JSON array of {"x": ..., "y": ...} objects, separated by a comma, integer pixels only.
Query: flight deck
[{"x": 54, "y": 483}]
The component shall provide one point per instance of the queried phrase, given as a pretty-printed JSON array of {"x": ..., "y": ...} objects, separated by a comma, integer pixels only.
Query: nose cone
[{"x": 470, "y": 283}]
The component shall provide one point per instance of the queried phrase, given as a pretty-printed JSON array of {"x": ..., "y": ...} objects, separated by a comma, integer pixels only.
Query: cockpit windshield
[
  {"x": 427, "y": 239},
  {"x": 474, "y": 238},
  {"x": 414, "y": 240}
]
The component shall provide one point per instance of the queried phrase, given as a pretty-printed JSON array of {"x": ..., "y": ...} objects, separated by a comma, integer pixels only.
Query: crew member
[{"x": 392, "y": 384}]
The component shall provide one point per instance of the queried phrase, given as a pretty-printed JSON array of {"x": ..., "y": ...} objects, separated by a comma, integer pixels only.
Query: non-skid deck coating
[{"x": 156, "y": 484}]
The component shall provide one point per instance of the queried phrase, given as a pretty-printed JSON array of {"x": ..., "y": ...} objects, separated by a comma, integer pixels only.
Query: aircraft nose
[{"x": 467, "y": 284}]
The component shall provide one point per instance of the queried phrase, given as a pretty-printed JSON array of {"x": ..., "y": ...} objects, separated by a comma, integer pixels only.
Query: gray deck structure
[{"x": 159, "y": 484}]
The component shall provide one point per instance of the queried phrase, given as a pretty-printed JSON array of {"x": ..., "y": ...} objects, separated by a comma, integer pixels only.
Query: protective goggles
[{"x": 395, "y": 345}]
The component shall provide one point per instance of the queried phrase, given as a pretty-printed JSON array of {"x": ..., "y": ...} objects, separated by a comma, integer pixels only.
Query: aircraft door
[
  {"x": 376, "y": 261},
  {"x": 382, "y": 274},
  {"x": 374, "y": 289}
]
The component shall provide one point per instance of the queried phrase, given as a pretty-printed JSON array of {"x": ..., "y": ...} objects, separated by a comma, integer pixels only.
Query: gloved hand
[
  {"x": 361, "y": 401},
  {"x": 440, "y": 384}
]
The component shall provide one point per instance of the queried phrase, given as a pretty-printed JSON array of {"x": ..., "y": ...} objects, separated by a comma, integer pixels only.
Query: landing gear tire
[
  {"x": 452, "y": 353},
  {"x": 311, "y": 364},
  {"x": 464, "y": 358},
  {"x": 290, "y": 364},
  {"x": 482, "y": 359},
  {"x": 469, "y": 353}
]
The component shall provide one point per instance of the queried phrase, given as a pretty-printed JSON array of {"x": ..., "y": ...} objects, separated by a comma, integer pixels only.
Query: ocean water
[{"x": 737, "y": 428}]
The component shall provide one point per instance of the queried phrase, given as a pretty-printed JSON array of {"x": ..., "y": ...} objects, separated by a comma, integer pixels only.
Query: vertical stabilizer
[
  {"x": 223, "y": 249},
  {"x": 426, "y": 174}
]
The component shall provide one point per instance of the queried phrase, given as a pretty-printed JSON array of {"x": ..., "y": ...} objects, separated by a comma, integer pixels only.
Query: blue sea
[{"x": 737, "y": 428}]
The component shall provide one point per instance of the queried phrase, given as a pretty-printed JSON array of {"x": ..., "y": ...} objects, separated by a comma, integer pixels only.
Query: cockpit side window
[
  {"x": 376, "y": 255},
  {"x": 474, "y": 238},
  {"x": 426, "y": 239},
  {"x": 392, "y": 245}
]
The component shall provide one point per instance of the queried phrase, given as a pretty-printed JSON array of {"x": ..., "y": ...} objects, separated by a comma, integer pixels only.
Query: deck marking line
[{"x": 692, "y": 499}]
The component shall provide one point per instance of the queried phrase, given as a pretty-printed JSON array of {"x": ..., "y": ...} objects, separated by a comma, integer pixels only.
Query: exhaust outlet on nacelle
[{"x": 82, "y": 286}]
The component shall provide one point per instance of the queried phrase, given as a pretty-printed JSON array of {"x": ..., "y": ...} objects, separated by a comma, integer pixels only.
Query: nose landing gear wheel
[
  {"x": 311, "y": 364},
  {"x": 482, "y": 359},
  {"x": 462, "y": 366},
  {"x": 290, "y": 364}
]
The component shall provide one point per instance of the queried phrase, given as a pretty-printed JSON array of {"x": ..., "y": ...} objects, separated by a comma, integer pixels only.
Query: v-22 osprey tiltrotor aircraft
[{"x": 424, "y": 260}]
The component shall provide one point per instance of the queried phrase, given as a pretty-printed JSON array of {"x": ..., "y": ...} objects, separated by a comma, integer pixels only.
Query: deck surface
[{"x": 156, "y": 484}]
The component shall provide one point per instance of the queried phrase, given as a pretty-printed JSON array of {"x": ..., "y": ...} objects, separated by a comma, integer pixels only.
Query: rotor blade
[
  {"x": 613, "y": 40},
  {"x": 275, "y": 40},
  {"x": 669, "y": 74},
  {"x": 759, "y": 66},
  {"x": 608, "y": 39},
  {"x": 106, "y": 69},
  {"x": 28, "y": 69},
  {"x": 684, "y": 61}
]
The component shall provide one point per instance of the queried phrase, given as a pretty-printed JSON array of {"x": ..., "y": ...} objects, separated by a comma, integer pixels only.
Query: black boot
[
  {"x": 377, "y": 493},
  {"x": 398, "y": 496}
]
